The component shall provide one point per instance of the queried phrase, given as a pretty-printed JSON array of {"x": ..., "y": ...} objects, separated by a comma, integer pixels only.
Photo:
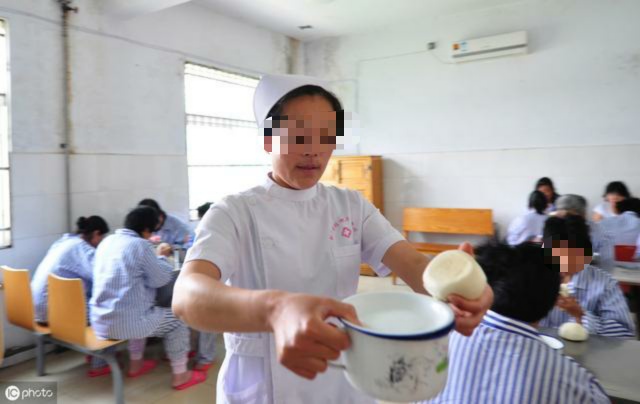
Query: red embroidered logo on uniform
[{"x": 346, "y": 224}]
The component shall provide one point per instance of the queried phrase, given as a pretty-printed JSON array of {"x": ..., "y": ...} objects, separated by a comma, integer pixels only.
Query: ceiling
[{"x": 338, "y": 17}]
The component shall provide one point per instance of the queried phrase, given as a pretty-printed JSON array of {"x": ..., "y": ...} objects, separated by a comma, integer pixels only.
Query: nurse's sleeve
[
  {"x": 377, "y": 236},
  {"x": 217, "y": 242}
]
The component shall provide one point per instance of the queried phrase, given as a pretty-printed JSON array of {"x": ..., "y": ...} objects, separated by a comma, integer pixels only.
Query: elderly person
[{"x": 602, "y": 241}]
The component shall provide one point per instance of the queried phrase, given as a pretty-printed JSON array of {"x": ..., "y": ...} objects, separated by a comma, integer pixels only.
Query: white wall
[
  {"x": 479, "y": 134},
  {"x": 128, "y": 111}
]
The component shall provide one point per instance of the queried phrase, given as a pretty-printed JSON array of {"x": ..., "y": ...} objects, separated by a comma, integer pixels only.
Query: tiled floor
[{"x": 74, "y": 387}]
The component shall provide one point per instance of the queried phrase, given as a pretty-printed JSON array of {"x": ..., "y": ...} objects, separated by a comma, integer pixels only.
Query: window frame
[
  {"x": 6, "y": 102},
  {"x": 208, "y": 120}
]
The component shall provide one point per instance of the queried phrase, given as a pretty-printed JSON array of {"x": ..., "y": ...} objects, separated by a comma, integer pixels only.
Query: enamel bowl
[{"x": 400, "y": 352}]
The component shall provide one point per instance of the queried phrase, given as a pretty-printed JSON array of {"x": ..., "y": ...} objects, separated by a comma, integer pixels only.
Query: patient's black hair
[
  {"x": 525, "y": 288},
  {"x": 617, "y": 187},
  {"x": 142, "y": 218},
  {"x": 546, "y": 181},
  {"x": 572, "y": 228},
  {"x": 87, "y": 225},
  {"x": 629, "y": 205},
  {"x": 153, "y": 204},
  {"x": 538, "y": 202}
]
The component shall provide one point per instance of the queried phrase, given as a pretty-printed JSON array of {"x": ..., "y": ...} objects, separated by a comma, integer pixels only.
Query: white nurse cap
[{"x": 273, "y": 87}]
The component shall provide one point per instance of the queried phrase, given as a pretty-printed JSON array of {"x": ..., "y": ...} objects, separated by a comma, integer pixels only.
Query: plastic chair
[
  {"x": 68, "y": 323},
  {"x": 19, "y": 307}
]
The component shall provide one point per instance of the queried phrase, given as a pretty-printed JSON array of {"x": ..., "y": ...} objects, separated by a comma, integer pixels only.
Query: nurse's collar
[{"x": 280, "y": 192}]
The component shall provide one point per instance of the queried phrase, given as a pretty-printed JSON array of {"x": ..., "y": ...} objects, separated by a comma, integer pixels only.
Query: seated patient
[
  {"x": 528, "y": 227},
  {"x": 601, "y": 241},
  {"x": 171, "y": 229},
  {"x": 505, "y": 360},
  {"x": 71, "y": 257},
  {"x": 127, "y": 275},
  {"x": 624, "y": 229},
  {"x": 595, "y": 300},
  {"x": 615, "y": 192}
]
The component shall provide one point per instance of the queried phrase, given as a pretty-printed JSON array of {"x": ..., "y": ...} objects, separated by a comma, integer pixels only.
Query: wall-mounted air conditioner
[{"x": 489, "y": 47}]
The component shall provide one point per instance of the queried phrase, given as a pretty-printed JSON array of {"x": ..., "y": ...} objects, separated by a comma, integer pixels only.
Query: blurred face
[
  {"x": 570, "y": 260},
  {"x": 613, "y": 199},
  {"x": 96, "y": 238},
  {"x": 306, "y": 138},
  {"x": 547, "y": 191}
]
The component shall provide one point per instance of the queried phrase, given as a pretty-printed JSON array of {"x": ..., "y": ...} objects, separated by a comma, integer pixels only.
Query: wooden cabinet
[{"x": 360, "y": 173}]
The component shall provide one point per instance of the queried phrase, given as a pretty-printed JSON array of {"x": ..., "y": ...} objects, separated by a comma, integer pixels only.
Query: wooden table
[{"x": 614, "y": 361}]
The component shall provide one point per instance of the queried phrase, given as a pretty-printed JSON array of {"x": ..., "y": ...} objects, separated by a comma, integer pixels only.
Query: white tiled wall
[
  {"x": 128, "y": 138},
  {"x": 501, "y": 180}
]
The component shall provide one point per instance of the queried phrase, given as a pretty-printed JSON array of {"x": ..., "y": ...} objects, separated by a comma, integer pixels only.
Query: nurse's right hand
[{"x": 305, "y": 342}]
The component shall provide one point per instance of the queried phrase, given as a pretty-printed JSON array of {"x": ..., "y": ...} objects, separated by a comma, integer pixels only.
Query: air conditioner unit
[{"x": 467, "y": 50}]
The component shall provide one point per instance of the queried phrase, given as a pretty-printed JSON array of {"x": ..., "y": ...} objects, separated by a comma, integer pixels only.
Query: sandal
[
  {"x": 147, "y": 366},
  {"x": 204, "y": 367},
  {"x": 197, "y": 377},
  {"x": 101, "y": 371}
]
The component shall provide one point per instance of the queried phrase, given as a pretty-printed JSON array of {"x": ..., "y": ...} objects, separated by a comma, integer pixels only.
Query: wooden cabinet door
[
  {"x": 331, "y": 174},
  {"x": 363, "y": 187},
  {"x": 356, "y": 169}
]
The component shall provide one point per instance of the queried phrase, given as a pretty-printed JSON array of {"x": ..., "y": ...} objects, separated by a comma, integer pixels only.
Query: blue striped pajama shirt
[
  {"x": 505, "y": 361},
  {"x": 126, "y": 275},
  {"x": 173, "y": 230},
  {"x": 69, "y": 257},
  {"x": 599, "y": 295}
]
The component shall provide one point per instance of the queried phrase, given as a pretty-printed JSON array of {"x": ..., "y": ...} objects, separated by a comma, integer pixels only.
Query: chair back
[
  {"x": 18, "y": 298},
  {"x": 67, "y": 310}
]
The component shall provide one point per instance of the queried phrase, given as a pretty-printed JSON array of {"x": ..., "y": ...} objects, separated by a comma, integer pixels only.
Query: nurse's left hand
[{"x": 469, "y": 313}]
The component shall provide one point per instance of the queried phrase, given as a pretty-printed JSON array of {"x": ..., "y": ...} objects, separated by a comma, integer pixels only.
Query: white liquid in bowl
[
  {"x": 396, "y": 322},
  {"x": 400, "y": 313}
]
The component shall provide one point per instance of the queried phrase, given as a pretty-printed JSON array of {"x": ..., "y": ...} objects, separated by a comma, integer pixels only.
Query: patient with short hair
[{"x": 506, "y": 360}]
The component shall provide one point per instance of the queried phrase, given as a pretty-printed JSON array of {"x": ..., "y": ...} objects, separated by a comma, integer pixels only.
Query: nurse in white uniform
[
  {"x": 529, "y": 226},
  {"x": 269, "y": 265}
]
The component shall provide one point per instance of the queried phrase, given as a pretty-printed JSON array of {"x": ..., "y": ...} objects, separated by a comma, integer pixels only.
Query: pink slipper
[
  {"x": 101, "y": 371},
  {"x": 197, "y": 377},
  {"x": 147, "y": 366},
  {"x": 203, "y": 367}
]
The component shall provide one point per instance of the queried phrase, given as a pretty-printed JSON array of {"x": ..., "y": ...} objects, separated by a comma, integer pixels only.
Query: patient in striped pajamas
[
  {"x": 505, "y": 360},
  {"x": 71, "y": 257},
  {"x": 127, "y": 275},
  {"x": 595, "y": 300}
]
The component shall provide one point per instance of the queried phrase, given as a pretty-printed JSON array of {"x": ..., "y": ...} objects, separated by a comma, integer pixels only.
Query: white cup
[{"x": 400, "y": 353}]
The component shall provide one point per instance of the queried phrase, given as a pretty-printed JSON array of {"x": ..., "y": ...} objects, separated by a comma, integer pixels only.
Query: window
[
  {"x": 224, "y": 150},
  {"x": 5, "y": 200}
]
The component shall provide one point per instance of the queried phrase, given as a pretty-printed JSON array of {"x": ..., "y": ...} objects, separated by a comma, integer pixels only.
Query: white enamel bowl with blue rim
[{"x": 400, "y": 353}]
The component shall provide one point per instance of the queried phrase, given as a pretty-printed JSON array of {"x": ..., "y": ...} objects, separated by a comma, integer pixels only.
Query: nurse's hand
[
  {"x": 304, "y": 340},
  {"x": 469, "y": 313}
]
